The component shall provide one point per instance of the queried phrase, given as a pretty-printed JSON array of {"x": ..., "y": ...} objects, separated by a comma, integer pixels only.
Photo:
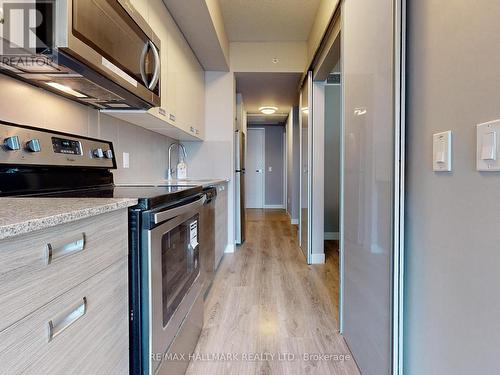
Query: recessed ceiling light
[
  {"x": 268, "y": 110},
  {"x": 66, "y": 89}
]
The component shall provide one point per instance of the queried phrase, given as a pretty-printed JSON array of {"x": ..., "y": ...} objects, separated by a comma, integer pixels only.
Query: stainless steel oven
[
  {"x": 165, "y": 287},
  {"x": 174, "y": 281}
]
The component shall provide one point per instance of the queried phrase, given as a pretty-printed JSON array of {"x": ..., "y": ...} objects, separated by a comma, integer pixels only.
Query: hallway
[{"x": 266, "y": 301}]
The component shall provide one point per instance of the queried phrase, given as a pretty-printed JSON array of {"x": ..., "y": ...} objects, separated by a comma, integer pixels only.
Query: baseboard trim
[
  {"x": 332, "y": 235},
  {"x": 275, "y": 206},
  {"x": 318, "y": 258}
]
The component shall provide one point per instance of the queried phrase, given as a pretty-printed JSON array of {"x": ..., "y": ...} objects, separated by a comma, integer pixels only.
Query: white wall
[
  {"x": 452, "y": 303},
  {"x": 28, "y": 105},
  {"x": 214, "y": 158}
]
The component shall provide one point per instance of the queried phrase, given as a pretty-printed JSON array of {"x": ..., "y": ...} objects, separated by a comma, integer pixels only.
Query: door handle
[
  {"x": 168, "y": 214},
  {"x": 143, "y": 62},
  {"x": 156, "y": 73},
  {"x": 259, "y": 171},
  {"x": 73, "y": 246},
  {"x": 59, "y": 324}
]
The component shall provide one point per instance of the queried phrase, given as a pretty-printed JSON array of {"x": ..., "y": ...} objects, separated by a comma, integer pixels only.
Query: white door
[{"x": 255, "y": 168}]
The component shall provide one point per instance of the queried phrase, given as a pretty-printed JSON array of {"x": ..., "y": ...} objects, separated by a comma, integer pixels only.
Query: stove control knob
[
  {"x": 12, "y": 143},
  {"x": 33, "y": 145},
  {"x": 109, "y": 154},
  {"x": 98, "y": 153}
]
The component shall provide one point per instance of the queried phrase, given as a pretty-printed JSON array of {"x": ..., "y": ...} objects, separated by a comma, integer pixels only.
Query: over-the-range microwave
[{"x": 98, "y": 52}]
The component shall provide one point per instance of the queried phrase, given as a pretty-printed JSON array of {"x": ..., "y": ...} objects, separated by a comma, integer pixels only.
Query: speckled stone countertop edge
[
  {"x": 95, "y": 208},
  {"x": 204, "y": 182}
]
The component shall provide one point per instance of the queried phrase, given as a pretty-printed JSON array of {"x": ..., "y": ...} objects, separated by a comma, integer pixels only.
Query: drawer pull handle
[
  {"x": 75, "y": 245},
  {"x": 57, "y": 325}
]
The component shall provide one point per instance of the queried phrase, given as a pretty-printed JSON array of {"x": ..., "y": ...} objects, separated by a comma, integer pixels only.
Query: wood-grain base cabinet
[{"x": 75, "y": 320}]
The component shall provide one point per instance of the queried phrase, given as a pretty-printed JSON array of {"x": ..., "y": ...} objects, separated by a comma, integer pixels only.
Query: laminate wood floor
[{"x": 266, "y": 302}]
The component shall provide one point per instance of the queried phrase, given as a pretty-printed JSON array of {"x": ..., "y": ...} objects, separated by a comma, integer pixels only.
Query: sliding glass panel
[{"x": 371, "y": 138}]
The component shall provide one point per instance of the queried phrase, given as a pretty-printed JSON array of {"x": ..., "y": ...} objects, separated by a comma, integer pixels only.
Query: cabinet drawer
[
  {"x": 70, "y": 336},
  {"x": 37, "y": 267}
]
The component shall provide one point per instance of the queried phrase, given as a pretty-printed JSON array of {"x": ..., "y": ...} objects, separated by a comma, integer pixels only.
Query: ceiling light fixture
[
  {"x": 66, "y": 89},
  {"x": 268, "y": 110}
]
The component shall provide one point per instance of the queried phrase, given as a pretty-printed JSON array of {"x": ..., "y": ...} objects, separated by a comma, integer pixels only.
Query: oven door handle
[{"x": 168, "y": 214}]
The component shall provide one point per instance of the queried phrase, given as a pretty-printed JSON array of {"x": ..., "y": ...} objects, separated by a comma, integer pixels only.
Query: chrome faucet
[{"x": 171, "y": 170}]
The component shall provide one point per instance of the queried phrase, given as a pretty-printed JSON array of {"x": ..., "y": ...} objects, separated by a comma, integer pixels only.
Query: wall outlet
[{"x": 126, "y": 160}]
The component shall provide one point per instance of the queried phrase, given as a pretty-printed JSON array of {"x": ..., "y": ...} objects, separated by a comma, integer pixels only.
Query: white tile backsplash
[{"x": 209, "y": 159}]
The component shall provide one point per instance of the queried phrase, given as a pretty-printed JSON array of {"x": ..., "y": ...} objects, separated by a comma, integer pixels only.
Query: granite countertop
[
  {"x": 24, "y": 215},
  {"x": 203, "y": 182},
  {"x": 187, "y": 182}
]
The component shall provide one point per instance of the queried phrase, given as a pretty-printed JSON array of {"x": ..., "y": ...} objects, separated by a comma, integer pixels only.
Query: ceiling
[
  {"x": 269, "y": 89},
  {"x": 268, "y": 20}
]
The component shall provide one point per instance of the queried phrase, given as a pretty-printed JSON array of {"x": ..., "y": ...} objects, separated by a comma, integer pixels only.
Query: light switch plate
[
  {"x": 487, "y": 146},
  {"x": 441, "y": 152}
]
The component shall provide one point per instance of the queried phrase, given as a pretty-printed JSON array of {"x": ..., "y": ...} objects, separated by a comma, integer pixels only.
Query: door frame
[
  {"x": 264, "y": 162},
  {"x": 309, "y": 81},
  {"x": 399, "y": 24},
  {"x": 285, "y": 169}
]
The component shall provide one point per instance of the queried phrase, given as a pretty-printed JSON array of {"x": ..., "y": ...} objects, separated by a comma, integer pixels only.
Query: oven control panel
[
  {"x": 27, "y": 146},
  {"x": 66, "y": 146}
]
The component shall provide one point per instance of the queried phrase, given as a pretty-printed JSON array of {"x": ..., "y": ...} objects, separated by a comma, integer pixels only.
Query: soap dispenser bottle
[{"x": 181, "y": 169}]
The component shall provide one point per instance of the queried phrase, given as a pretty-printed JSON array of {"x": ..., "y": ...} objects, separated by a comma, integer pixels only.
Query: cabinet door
[
  {"x": 83, "y": 331},
  {"x": 39, "y": 266},
  {"x": 221, "y": 222},
  {"x": 142, "y": 6},
  {"x": 158, "y": 15},
  {"x": 174, "y": 73},
  {"x": 187, "y": 96},
  {"x": 182, "y": 77},
  {"x": 200, "y": 96}
]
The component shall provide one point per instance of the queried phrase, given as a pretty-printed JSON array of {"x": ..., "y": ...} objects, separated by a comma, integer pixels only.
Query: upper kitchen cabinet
[
  {"x": 141, "y": 6},
  {"x": 182, "y": 86}
]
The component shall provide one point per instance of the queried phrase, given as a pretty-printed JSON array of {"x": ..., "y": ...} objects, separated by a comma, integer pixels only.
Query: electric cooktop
[{"x": 148, "y": 196}]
